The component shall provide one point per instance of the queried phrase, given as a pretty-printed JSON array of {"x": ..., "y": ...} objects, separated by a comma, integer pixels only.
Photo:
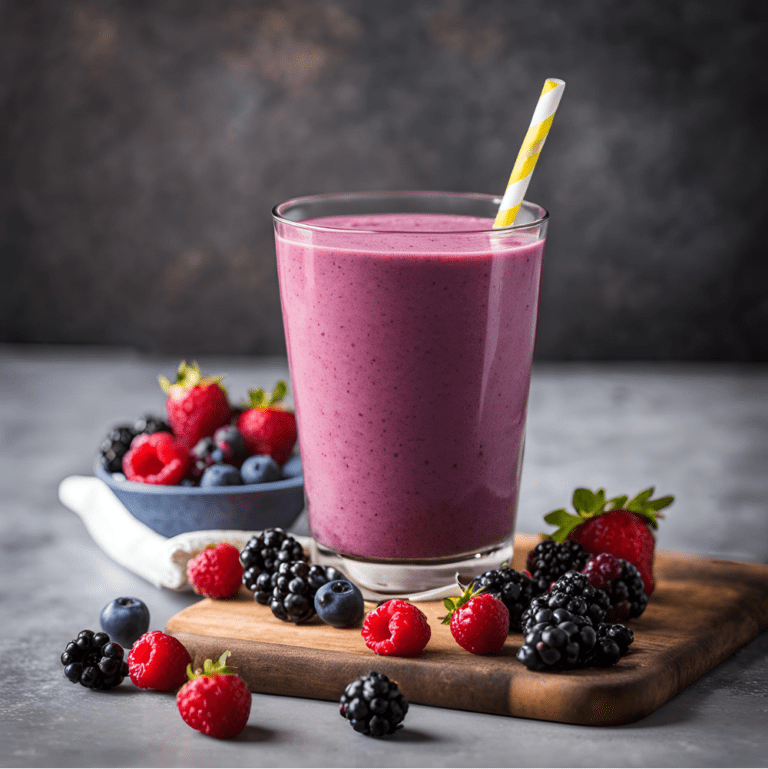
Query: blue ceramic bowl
[{"x": 172, "y": 510}]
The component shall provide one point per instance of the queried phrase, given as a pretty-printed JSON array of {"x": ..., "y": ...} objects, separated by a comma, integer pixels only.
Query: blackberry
[
  {"x": 560, "y": 641},
  {"x": 373, "y": 705},
  {"x": 613, "y": 641},
  {"x": 513, "y": 589},
  {"x": 115, "y": 446},
  {"x": 549, "y": 560},
  {"x": 202, "y": 458},
  {"x": 622, "y": 582},
  {"x": 294, "y": 585},
  {"x": 621, "y": 634},
  {"x": 263, "y": 555},
  {"x": 94, "y": 661},
  {"x": 574, "y": 593},
  {"x": 148, "y": 425}
]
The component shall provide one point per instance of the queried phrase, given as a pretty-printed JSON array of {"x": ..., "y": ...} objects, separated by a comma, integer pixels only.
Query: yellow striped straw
[{"x": 529, "y": 152}]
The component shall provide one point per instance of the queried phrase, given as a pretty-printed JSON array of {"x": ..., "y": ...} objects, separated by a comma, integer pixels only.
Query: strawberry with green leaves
[
  {"x": 267, "y": 426},
  {"x": 197, "y": 406},
  {"x": 619, "y": 526}
]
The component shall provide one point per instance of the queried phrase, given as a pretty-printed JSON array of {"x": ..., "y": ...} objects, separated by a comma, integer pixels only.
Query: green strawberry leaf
[
  {"x": 212, "y": 669},
  {"x": 257, "y": 397},
  {"x": 589, "y": 504},
  {"x": 565, "y": 521},
  {"x": 261, "y": 399},
  {"x": 280, "y": 391},
  {"x": 583, "y": 500},
  {"x": 454, "y": 603},
  {"x": 637, "y": 501},
  {"x": 657, "y": 504},
  {"x": 189, "y": 377}
]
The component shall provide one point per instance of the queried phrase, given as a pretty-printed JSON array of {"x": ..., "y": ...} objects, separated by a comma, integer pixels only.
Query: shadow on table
[
  {"x": 415, "y": 736},
  {"x": 256, "y": 734}
]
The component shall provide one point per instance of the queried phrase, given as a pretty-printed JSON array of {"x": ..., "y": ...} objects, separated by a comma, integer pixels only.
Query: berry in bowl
[{"x": 210, "y": 465}]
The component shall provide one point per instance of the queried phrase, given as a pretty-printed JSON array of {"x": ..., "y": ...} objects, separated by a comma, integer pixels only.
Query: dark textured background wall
[{"x": 142, "y": 145}]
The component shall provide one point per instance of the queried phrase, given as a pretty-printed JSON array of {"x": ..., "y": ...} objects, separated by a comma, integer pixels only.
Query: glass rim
[{"x": 277, "y": 211}]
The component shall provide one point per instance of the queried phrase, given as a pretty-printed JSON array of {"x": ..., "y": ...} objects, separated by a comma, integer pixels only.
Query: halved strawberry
[
  {"x": 196, "y": 405},
  {"x": 619, "y": 526},
  {"x": 268, "y": 428}
]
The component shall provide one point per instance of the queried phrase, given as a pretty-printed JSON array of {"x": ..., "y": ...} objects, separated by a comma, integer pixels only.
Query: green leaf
[
  {"x": 257, "y": 397},
  {"x": 281, "y": 388},
  {"x": 565, "y": 523},
  {"x": 583, "y": 500},
  {"x": 599, "y": 503},
  {"x": 558, "y": 517},
  {"x": 657, "y": 504},
  {"x": 635, "y": 503},
  {"x": 454, "y": 603},
  {"x": 617, "y": 503}
]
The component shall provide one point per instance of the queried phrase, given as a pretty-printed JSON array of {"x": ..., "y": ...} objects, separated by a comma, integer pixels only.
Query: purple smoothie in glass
[{"x": 410, "y": 339}]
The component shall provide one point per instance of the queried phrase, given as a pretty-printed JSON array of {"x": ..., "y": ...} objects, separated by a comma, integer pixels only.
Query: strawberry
[
  {"x": 479, "y": 621},
  {"x": 267, "y": 427},
  {"x": 215, "y": 701},
  {"x": 619, "y": 526},
  {"x": 196, "y": 405}
]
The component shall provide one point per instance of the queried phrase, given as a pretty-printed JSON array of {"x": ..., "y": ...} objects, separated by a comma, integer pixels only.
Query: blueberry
[
  {"x": 260, "y": 469},
  {"x": 125, "y": 620},
  {"x": 229, "y": 440},
  {"x": 340, "y": 603},
  {"x": 221, "y": 475},
  {"x": 292, "y": 467}
]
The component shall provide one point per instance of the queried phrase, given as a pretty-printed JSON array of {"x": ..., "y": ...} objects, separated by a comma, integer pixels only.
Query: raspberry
[
  {"x": 158, "y": 661},
  {"x": 157, "y": 459},
  {"x": 396, "y": 628},
  {"x": 216, "y": 571},
  {"x": 481, "y": 625},
  {"x": 514, "y": 589},
  {"x": 215, "y": 701}
]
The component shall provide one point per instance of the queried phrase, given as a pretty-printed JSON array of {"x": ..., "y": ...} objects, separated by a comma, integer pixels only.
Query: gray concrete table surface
[{"x": 699, "y": 432}]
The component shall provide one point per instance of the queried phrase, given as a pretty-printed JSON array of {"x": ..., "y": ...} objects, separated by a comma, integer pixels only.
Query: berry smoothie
[{"x": 410, "y": 339}]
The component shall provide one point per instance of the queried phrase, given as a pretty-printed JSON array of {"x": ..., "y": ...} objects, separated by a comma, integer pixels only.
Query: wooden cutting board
[{"x": 701, "y": 611}]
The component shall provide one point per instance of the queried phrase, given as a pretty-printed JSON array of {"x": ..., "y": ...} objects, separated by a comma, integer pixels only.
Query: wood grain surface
[{"x": 701, "y": 611}]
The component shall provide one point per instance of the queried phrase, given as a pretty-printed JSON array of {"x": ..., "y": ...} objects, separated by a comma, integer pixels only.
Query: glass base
[{"x": 417, "y": 580}]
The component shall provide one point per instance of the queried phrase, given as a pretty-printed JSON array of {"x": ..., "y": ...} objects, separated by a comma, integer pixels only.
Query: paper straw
[{"x": 529, "y": 152}]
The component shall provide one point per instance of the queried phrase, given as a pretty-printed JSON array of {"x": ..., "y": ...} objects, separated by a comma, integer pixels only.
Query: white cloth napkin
[{"x": 158, "y": 559}]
